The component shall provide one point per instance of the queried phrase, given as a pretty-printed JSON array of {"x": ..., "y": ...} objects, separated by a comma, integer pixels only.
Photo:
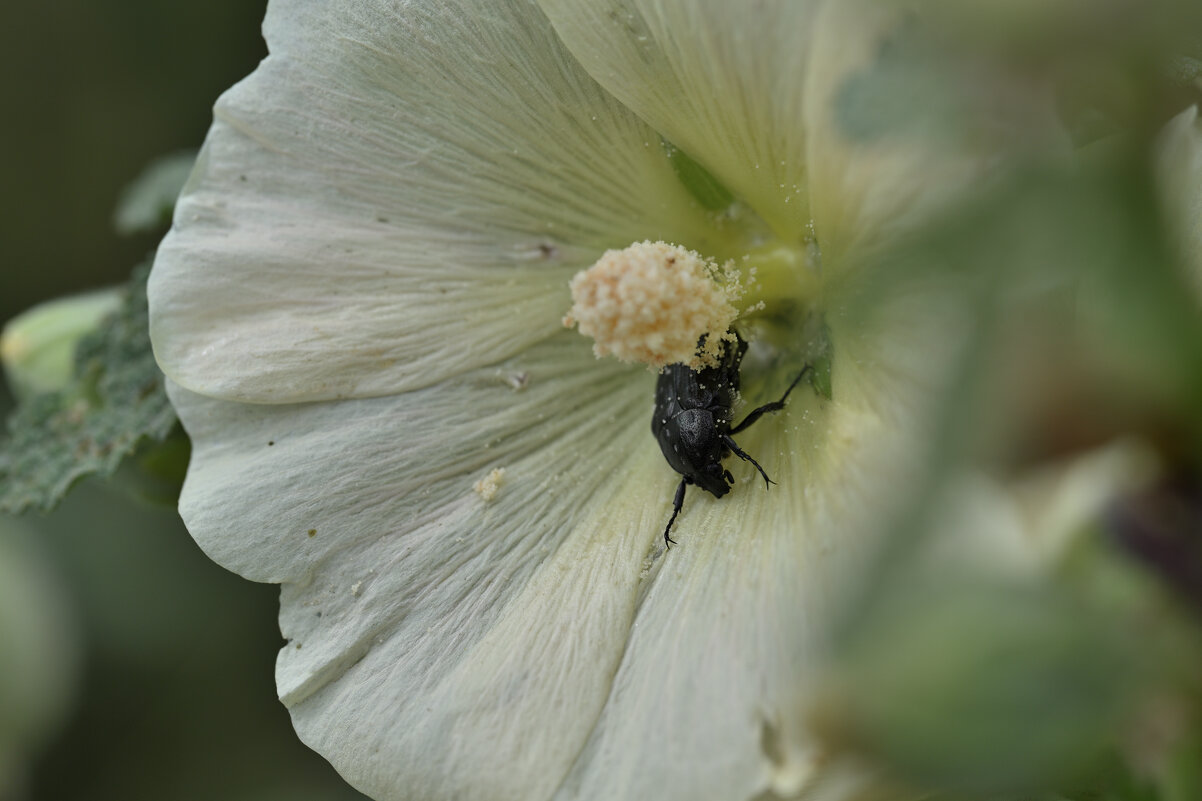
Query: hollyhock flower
[{"x": 360, "y": 310}]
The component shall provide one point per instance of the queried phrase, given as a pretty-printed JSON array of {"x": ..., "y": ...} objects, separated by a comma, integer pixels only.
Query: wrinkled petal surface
[
  {"x": 541, "y": 644},
  {"x": 391, "y": 189},
  {"x": 441, "y": 646}
]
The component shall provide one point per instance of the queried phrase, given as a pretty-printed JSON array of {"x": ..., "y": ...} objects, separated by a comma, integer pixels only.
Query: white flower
[{"x": 359, "y": 308}]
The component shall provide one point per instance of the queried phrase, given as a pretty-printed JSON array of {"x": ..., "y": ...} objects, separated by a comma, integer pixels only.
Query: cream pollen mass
[{"x": 652, "y": 302}]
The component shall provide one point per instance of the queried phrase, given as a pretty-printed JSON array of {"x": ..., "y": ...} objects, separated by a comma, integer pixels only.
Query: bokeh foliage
[{"x": 1079, "y": 679}]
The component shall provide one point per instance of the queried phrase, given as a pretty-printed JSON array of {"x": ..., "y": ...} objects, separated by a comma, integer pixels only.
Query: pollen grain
[
  {"x": 652, "y": 302},
  {"x": 488, "y": 486}
]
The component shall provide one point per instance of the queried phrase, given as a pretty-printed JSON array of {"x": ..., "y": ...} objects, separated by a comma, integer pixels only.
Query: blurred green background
[
  {"x": 174, "y": 695},
  {"x": 92, "y": 91}
]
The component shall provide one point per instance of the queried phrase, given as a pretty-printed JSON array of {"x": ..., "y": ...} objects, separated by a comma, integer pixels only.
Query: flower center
[
  {"x": 659, "y": 304},
  {"x": 653, "y": 302}
]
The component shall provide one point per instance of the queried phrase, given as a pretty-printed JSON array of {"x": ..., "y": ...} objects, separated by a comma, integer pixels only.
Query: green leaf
[
  {"x": 146, "y": 204},
  {"x": 115, "y": 403},
  {"x": 703, "y": 186},
  {"x": 980, "y": 686},
  {"x": 1182, "y": 777},
  {"x": 823, "y": 350}
]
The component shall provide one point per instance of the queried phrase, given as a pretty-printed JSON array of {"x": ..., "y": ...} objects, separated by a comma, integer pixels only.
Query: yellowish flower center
[{"x": 653, "y": 302}]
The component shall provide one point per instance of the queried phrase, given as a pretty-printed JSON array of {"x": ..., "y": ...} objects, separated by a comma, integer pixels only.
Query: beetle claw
[{"x": 677, "y": 503}]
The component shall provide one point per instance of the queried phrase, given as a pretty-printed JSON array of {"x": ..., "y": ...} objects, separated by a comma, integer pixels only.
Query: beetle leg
[
  {"x": 775, "y": 406},
  {"x": 730, "y": 443},
  {"x": 676, "y": 505}
]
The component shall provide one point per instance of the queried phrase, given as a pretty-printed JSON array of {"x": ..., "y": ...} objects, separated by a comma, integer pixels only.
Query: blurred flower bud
[{"x": 38, "y": 346}]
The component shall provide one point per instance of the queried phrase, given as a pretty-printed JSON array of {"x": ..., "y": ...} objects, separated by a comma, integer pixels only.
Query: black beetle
[{"x": 692, "y": 423}]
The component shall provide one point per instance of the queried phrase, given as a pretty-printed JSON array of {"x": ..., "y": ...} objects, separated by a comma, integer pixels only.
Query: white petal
[
  {"x": 722, "y": 80},
  {"x": 441, "y": 645},
  {"x": 397, "y": 194}
]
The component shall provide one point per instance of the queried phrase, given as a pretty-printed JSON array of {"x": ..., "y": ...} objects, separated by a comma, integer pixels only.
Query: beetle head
[{"x": 713, "y": 479}]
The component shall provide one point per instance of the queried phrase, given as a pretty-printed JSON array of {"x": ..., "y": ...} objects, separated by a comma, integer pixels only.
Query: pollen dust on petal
[
  {"x": 652, "y": 302},
  {"x": 488, "y": 486}
]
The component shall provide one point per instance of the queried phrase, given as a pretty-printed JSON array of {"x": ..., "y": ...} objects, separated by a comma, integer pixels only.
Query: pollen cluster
[
  {"x": 488, "y": 486},
  {"x": 652, "y": 302}
]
